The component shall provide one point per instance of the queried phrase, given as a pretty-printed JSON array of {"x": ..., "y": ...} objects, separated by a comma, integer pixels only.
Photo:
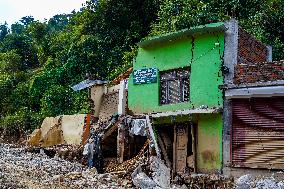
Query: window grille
[{"x": 175, "y": 86}]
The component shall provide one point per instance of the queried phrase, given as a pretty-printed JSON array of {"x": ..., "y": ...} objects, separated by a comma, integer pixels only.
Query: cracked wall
[{"x": 204, "y": 55}]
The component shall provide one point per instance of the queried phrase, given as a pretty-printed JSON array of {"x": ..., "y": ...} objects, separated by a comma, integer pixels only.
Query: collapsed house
[{"x": 204, "y": 100}]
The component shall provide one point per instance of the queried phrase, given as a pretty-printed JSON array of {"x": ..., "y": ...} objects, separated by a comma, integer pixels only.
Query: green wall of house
[
  {"x": 203, "y": 54},
  {"x": 200, "y": 53},
  {"x": 209, "y": 142}
]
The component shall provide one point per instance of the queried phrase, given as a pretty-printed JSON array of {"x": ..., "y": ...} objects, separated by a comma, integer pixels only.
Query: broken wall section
[
  {"x": 66, "y": 129},
  {"x": 250, "y": 50},
  {"x": 261, "y": 72}
]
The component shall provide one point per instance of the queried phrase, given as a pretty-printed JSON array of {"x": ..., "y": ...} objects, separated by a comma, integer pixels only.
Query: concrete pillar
[
  {"x": 230, "y": 61},
  {"x": 227, "y": 135},
  {"x": 97, "y": 93},
  {"x": 120, "y": 143},
  {"x": 231, "y": 49},
  {"x": 269, "y": 53},
  {"x": 122, "y": 98}
]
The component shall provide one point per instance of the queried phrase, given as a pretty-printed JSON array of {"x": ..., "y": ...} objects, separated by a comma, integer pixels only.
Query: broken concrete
[
  {"x": 66, "y": 129},
  {"x": 160, "y": 172},
  {"x": 141, "y": 180}
]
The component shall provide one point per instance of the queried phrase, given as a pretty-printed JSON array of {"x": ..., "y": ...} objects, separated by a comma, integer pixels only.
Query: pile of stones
[{"x": 21, "y": 169}]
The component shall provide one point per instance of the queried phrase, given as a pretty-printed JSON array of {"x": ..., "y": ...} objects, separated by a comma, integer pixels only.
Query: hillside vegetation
[{"x": 39, "y": 61}]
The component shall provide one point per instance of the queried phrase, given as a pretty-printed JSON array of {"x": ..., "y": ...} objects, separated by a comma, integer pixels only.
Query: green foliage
[
  {"x": 4, "y": 30},
  {"x": 20, "y": 123},
  {"x": 26, "y": 20},
  {"x": 58, "y": 22},
  {"x": 10, "y": 62},
  {"x": 57, "y": 100},
  {"x": 21, "y": 44},
  {"x": 17, "y": 28},
  {"x": 262, "y": 18}
]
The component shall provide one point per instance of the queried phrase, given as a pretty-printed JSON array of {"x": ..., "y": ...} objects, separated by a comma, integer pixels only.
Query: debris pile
[
  {"x": 207, "y": 181},
  {"x": 248, "y": 182},
  {"x": 21, "y": 169}
]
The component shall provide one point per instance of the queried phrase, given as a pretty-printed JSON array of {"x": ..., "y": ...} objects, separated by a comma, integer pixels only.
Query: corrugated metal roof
[
  {"x": 198, "y": 30},
  {"x": 87, "y": 83}
]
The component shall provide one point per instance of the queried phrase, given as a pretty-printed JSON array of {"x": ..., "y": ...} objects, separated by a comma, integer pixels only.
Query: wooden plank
[
  {"x": 193, "y": 146},
  {"x": 110, "y": 130},
  {"x": 181, "y": 147},
  {"x": 163, "y": 149},
  {"x": 120, "y": 143},
  {"x": 174, "y": 151},
  {"x": 152, "y": 135}
]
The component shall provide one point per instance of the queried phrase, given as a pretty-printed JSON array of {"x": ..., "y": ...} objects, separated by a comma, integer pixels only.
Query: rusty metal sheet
[{"x": 258, "y": 133}]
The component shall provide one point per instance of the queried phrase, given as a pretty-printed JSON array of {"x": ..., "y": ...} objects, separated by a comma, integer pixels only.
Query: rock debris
[{"x": 25, "y": 170}]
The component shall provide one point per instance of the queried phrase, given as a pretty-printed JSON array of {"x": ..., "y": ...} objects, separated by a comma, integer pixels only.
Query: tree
[
  {"x": 26, "y": 20},
  {"x": 57, "y": 100},
  {"x": 4, "y": 30},
  {"x": 17, "y": 28},
  {"x": 10, "y": 62},
  {"x": 58, "y": 22},
  {"x": 261, "y": 18},
  {"x": 21, "y": 45}
]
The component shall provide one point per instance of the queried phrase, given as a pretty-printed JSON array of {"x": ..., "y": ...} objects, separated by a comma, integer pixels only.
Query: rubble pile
[
  {"x": 207, "y": 181},
  {"x": 21, "y": 169},
  {"x": 249, "y": 182}
]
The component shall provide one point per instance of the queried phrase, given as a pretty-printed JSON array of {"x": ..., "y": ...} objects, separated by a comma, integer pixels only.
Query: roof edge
[{"x": 198, "y": 30}]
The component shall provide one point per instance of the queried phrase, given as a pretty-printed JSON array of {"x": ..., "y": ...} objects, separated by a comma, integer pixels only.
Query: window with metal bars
[{"x": 175, "y": 86}]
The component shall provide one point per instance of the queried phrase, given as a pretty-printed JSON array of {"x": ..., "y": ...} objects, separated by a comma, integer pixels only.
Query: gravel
[{"x": 21, "y": 169}]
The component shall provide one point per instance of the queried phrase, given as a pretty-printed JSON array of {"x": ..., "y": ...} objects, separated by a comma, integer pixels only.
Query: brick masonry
[
  {"x": 252, "y": 63},
  {"x": 260, "y": 72},
  {"x": 250, "y": 50}
]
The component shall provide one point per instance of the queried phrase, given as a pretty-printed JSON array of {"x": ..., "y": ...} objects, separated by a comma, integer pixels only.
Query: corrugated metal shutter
[{"x": 258, "y": 133}]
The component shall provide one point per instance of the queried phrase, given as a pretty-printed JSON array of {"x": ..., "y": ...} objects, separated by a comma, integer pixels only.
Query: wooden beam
[
  {"x": 186, "y": 112},
  {"x": 174, "y": 151},
  {"x": 110, "y": 130},
  {"x": 193, "y": 147},
  {"x": 163, "y": 149},
  {"x": 152, "y": 135},
  {"x": 120, "y": 143}
]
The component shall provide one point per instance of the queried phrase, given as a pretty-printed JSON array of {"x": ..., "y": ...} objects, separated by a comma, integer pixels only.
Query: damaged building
[
  {"x": 204, "y": 100},
  {"x": 253, "y": 114},
  {"x": 175, "y": 82}
]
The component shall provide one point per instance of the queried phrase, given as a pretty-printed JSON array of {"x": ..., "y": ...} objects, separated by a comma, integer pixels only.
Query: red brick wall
[
  {"x": 250, "y": 51},
  {"x": 260, "y": 72}
]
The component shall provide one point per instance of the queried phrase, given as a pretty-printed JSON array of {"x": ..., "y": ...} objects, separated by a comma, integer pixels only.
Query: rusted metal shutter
[{"x": 258, "y": 133}]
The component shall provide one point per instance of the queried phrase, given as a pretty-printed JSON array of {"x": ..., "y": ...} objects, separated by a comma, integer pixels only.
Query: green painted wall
[
  {"x": 209, "y": 142},
  {"x": 205, "y": 75}
]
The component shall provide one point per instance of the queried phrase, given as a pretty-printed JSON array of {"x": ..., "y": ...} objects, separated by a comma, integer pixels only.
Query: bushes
[{"x": 18, "y": 125}]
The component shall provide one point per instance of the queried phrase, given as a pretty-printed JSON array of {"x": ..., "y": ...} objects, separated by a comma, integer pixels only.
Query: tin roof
[
  {"x": 124, "y": 75},
  {"x": 193, "y": 31},
  {"x": 87, "y": 83}
]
